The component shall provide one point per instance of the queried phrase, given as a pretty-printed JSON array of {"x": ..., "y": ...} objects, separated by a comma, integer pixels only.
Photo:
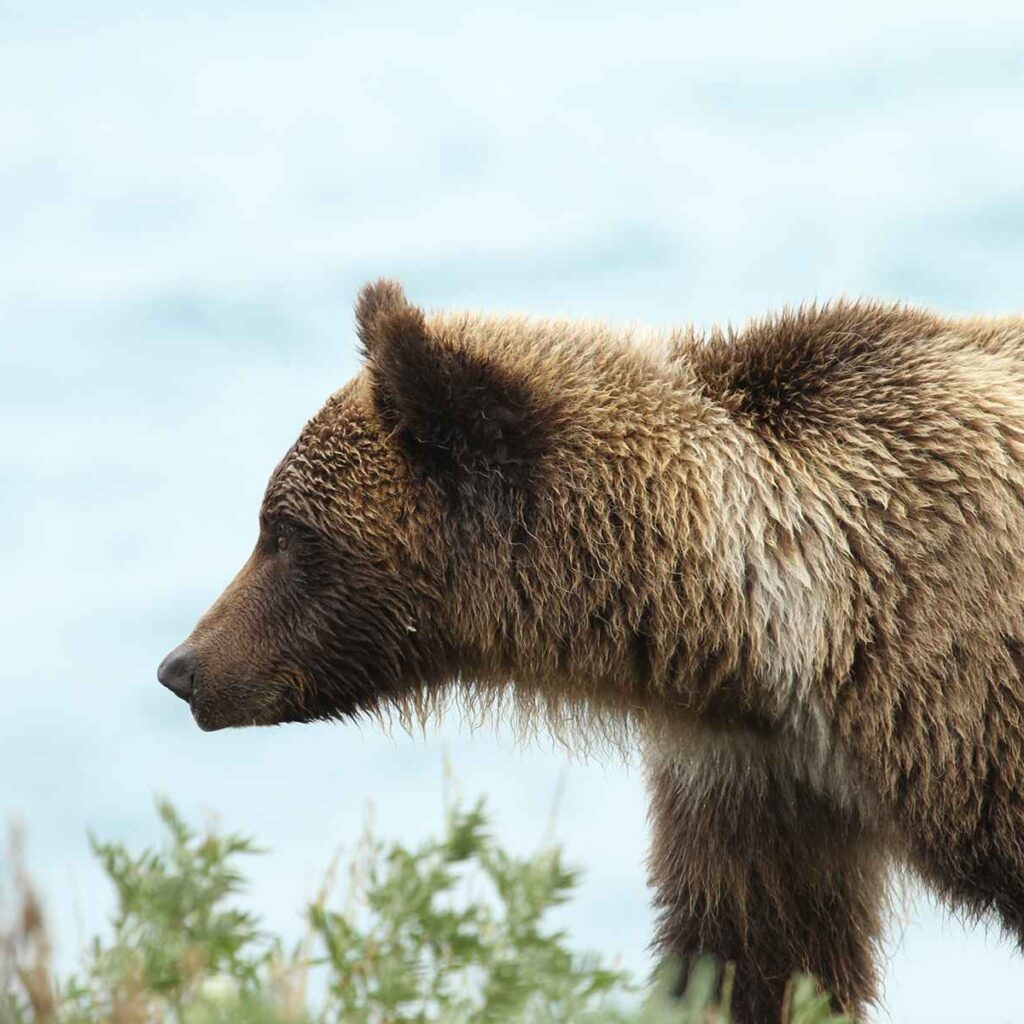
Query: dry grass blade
[{"x": 25, "y": 950}]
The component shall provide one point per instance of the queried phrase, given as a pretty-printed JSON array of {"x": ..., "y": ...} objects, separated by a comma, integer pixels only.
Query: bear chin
[{"x": 215, "y": 716}]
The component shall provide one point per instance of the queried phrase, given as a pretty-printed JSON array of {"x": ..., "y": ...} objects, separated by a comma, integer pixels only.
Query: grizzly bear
[{"x": 786, "y": 563}]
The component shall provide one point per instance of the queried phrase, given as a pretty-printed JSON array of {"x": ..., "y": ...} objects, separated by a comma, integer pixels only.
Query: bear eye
[{"x": 281, "y": 541}]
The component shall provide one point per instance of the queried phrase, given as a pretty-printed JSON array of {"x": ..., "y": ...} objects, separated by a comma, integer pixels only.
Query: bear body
[{"x": 786, "y": 563}]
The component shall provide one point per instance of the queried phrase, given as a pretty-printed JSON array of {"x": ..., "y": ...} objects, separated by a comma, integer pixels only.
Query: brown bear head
[{"x": 384, "y": 533}]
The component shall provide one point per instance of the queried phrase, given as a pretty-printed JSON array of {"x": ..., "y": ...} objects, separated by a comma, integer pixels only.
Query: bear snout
[{"x": 179, "y": 672}]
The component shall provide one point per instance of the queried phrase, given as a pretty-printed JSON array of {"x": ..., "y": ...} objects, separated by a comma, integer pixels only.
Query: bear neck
[{"x": 673, "y": 567}]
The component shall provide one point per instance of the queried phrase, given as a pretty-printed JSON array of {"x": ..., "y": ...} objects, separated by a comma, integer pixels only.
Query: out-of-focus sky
[{"x": 190, "y": 193}]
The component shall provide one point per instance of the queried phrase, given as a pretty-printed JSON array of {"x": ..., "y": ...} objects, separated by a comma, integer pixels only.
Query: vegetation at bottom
[{"x": 454, "y": 931}]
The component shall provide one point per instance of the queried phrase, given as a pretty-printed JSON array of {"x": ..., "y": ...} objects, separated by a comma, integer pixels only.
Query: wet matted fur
[{"x": 784, "y": 562}]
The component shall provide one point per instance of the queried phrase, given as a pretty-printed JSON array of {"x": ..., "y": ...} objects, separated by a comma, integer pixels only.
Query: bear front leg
[{"x": 755, "y": 868}]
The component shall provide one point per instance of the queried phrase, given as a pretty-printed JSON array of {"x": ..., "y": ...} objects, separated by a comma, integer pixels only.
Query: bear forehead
[{"x": 341, "y": 468}]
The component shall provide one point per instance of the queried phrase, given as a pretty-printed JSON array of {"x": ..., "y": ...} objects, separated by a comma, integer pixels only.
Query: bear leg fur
[{"x": 767, "y": 874}]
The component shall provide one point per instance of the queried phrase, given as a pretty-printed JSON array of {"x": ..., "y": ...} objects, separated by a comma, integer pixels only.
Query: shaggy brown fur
[{"x": 785, "y": 561}]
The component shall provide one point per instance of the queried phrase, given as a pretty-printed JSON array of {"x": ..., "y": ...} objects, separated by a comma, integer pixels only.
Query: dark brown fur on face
[{"x": 783, "y": 562}]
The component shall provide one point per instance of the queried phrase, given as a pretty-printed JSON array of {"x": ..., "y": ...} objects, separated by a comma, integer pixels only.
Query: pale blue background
[{"x": 191, "y": 192}]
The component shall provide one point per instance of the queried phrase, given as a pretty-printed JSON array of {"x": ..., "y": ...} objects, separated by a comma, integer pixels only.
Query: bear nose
[{"x": 179, "y": 671}]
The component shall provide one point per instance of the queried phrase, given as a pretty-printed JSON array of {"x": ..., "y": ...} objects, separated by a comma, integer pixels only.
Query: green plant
[
  {"x": 409, "y": 950},
  {"x": 454, "y": 931}
]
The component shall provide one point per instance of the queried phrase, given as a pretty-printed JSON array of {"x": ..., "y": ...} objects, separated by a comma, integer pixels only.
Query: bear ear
[
  {"x": 451, "y": 409},
  {"x": 377, "y": 306}
]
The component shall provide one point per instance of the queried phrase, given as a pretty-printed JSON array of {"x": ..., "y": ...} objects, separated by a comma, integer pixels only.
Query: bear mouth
[
  {"x": 206, "y": 716},
  {"x": 233, "y": 711},
  {"x": 207, "y": 722}
]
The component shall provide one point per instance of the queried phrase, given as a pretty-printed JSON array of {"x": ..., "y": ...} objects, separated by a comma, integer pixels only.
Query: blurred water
[{"x": 189, "y": 196}]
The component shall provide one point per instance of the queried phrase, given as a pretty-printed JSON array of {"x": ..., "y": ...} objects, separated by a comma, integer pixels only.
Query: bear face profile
[{"x": 783, "y": 562}]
